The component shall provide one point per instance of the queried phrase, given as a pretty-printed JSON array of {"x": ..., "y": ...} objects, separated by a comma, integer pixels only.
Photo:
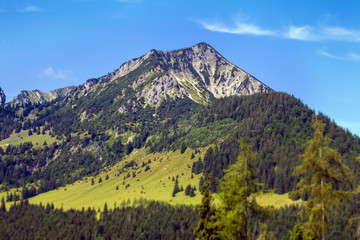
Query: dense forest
[{"x": 150, "y": 220}]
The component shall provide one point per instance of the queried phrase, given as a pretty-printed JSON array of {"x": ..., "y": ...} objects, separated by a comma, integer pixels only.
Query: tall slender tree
[
  {"x": 239, "y": 183},
  {"x": 206, "y": 229},
  {"x": 321, "y": 171}
]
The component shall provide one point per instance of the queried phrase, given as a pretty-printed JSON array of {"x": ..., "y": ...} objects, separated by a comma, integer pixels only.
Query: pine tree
[
  {"x": 206, "y": 228},
  {"x": 238, "y": 185},
  {"x": 176, "y": 188},
  {"x": 3, "y": 206},
  {"x": 321, "y": 170}
]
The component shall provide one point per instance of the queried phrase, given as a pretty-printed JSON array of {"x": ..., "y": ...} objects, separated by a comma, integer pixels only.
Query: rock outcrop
[
  {"x": 198, "y": 72},
  {"x": 38, "y": 97}
]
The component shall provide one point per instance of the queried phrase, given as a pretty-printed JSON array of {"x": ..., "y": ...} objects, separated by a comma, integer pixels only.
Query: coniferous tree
[
  {"x": 321, "y": 170},
  {"x": 239, "y": 183},
  {"x": 3, "y": 206},
  {"x": 206, "y": 228},
  {"x": 176, "y": 188}
]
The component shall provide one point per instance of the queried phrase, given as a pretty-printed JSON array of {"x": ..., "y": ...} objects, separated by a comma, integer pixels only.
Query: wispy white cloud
[
  {"x": 29, "y": 8},
  {"x": 322, "y": 33},
  {"x": 354, "y": 56},
  {"x": 351, "y": 56},
  {"x": 302, "y": 33},
  {"x": 49, "y": 72},
  {"x": 241, "y": 28},
  {"x": 2, "y": 10}
]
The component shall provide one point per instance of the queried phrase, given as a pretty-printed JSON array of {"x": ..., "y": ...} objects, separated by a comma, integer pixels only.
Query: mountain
[
  {"x": 2, "y": 98},
  {"x": 199, "y": 73},
  {"x": 38, "y": 97},
  {"x": 160, "y": 119}
]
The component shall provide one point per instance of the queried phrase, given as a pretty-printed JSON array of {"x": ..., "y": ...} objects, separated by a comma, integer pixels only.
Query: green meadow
[
  {"x": 23, "y": 136},
  {"x": 124, "y": 185}
]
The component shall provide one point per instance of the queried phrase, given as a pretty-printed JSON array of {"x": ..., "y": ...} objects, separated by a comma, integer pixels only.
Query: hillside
[
  {"x": 98, "y": 123},
  {"x": 160, "y": 119}
]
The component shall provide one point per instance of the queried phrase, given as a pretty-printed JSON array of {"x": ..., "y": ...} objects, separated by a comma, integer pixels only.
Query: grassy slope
[
  {"x": 155, "y": 184},
  {"x": 23, "y": 136}
]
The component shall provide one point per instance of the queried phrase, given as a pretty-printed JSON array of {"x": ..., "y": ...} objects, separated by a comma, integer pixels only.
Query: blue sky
[{"x": 310, "y": 49}]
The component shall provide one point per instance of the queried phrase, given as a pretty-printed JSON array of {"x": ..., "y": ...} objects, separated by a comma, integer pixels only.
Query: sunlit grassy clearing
[
  {"x": 23, "y": 136},
  {"x": 154, "y": 184}
]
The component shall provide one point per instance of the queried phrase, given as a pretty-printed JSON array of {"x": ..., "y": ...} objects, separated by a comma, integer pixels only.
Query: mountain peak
[
  {"x": 202, "y": 45},
  {"x": 198, "y": 72}
]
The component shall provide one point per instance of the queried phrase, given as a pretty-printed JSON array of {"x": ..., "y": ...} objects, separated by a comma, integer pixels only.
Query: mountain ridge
[
  {"x": 38, "y": 97},
  {"x": 198, "y": 72}
]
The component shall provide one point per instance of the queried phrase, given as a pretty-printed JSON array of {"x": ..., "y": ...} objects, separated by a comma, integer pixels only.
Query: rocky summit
[
  {"x": 38, "y": 97},
  {"x": 198, "y": 72}
]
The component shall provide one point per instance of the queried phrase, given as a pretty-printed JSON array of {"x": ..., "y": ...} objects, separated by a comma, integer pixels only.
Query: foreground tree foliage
[
  {"x": 239, "y": 183},
  {"x": 206, "y": 229},
  {"x": 322, "y": 173}
]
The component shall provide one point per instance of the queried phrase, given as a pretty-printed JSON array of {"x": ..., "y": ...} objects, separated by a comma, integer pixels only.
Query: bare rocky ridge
[
  {"x": 198, "y": 72},
  {"x": 2, "y": 98},
  {"x": 38, "y": 97}
]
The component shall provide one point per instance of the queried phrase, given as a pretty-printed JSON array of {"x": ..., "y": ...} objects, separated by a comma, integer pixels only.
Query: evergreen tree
[
  {"x": 321, "y": 170},
  {"x": 298, "y": 233},
  {"x": 176, "y": 188},
  {"x": 3, "y": 206},
  {"x": 239, "y": 183},
  {"x": 183, "y": 148},
  {"x": 265, "y": 234},
  {"x": 206, "y": 228}
]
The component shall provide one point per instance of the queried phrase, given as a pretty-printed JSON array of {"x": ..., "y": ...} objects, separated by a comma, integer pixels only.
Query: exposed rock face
[
  {"x": 2, "y": 98},
  {"x": 198, "y": 72},
  {"x": 38, "y": 97}
]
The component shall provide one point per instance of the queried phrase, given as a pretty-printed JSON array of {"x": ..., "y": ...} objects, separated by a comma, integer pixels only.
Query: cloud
[
  {"x": 322, "y": 33},
  {"x": 240, "y": 28},
  {"x": 29, "y": 8},
  {"x": 302, "y": 33},
  {"x": 351, "y": 56},
  {"x": 3, "y": 10},
  {"x": 49, "y": 72}
]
